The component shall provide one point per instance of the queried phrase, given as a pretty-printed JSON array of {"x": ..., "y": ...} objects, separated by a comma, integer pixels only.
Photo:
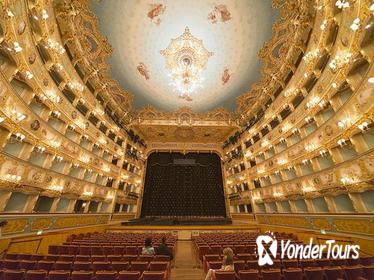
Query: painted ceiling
[{"x": 138, "y": 30}]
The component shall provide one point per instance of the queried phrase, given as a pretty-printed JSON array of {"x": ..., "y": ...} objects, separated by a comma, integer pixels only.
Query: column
[
  {"x": 53, "y": 209},
  {"x": 309, "y": 205},
  {"x": 30, "y": 203},
  {"x": 357, "y": 202},
  {"x": 4, "y": 198},
  {"x": 330, "y": 204},
  {"x": 359, "y": 143},
  {"x": 70, "y": 208},
  {"x": 293, "y": 206}
]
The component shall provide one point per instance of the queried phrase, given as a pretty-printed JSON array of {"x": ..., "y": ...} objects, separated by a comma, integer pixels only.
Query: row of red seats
[
  {"x": 80, "y": 275},
  {"x": 90, "y": 258},
  {"x": 245, "y": 263},
  {"x": 316, "y": 273},
  {"x": 96, "y": 250},
  {"x": 84, "y": 265}
]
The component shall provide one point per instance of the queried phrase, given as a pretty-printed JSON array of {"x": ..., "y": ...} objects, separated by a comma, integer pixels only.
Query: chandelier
[{"x": 186, "y": 58}]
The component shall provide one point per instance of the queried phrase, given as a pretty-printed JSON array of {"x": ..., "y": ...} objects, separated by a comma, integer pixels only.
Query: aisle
[{"x": 185, "y": 263}]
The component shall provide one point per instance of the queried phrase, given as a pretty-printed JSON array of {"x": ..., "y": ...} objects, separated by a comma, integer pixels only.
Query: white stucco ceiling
[{"x": 139, "y": 29}]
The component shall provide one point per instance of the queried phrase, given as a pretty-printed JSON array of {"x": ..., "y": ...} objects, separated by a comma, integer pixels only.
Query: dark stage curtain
[{"x": 183, "y": 185}]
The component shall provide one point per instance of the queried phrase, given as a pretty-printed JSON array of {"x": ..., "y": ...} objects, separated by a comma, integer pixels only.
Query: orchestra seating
[
  {"x": 117, "y": 256},
  {"x": 93, "y": 256},
  {"x": 209, "y": 249}
]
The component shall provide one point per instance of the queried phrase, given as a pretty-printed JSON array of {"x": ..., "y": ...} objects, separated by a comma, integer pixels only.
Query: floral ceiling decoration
[{"x": 186, "y": 59}]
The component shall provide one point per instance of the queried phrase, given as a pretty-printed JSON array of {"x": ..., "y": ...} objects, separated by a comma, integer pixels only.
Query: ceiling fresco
[{"x": 231, "y": 31}]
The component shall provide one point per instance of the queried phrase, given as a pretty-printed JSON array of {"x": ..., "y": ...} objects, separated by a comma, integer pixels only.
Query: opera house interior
[{"x": 200, "y": 139}]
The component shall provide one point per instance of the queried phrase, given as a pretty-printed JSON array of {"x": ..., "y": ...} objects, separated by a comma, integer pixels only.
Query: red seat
[
  {"x": 36, "y": 275},
  {"x": 224, "y": 275},
  {"x": 11, "y": 256},
  {"x": 66, "y": 258},
  {"x": 323, "y": 262},
  {"x": 27, "y": 264},
  {"x": 130, "y": 258},
  {"x": 308, "y": 263},
  {"x": 354, "y": 272},
  {"x": 353, "y": 262},
  {"x": 158, "y": 266},
  {"x": 334, "y": 273},
  {"x": 290, "y": 263},
  {"x": 114, "y": 258},
  {"x": 145, "y": 258},
  {"x": 239, "y": 265},
  {"x": 45, "y": 265},
  {"x": 73, "y": 250},
  {"x": 293, "y": 274},
  {"x": 369, "y": 271},
  {"x": 139, "y": 266},
  {"x": 271, "y": 274},
  {"x": 81, "y": 275},
  {"x": 24, "y": 256},
  {"x": 11, "y": 264},
  {"x": 106, "y": 275},
  {"x": 81, "y": 266},
  {"x": 243, "y": 257},
  {"x": 203, "y": 250},
  {"x": 250, "y": 249},
  {"x": 52, "y": 258},
  {"x": 214, "y": 265},
  {"x": 98, "y": 258},
  {"x": 161, "y": 258},
  {"x": 62, "y": 250},
  {"x": 131, "y": 250},
  {"x": 129, "y": 275},
  {"x": 239, "y": 249},
  {"x": 153, "y": 275},
  {"x": 53, "y": 249},
  {"x": 367, "y": 260},
  {"x": 252, "y": 265},
  {"x": 339, "y": 262},
  {"x": 314, "y": 273},
  {"x": 119, "y": 266},
  {"x": 215, "y": 250},
  {"x": 62, "y": 265},
  {"x": 37, "y": 257},
  {"x": 58, "y": 275},
  {"x": 13, "y": 274},
  {"x": 85, "y": 250},
  {"x": 82, "y": 258},
  {"x": 119, "y": 250},
  {"x": 252, "y": 274},
  {"x": 101, "y": 266},
  {"x": 96, "y": 250}
]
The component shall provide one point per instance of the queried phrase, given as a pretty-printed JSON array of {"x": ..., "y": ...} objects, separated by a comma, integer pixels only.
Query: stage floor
[{"x": 184, "y": 232}]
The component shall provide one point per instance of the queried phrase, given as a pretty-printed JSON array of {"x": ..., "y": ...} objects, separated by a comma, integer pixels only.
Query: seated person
[
  {"x": 227, "y": 264},
  {"x": 148, "y": 248},
  {"x": 163, "y": 249}
]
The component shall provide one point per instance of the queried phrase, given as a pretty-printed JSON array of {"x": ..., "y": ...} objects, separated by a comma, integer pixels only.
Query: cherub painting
[
  {"x": 225, "y": 76},
  {"x": 219, "y": 13},
  {"x": 156, "y": 10},
  {"x": 142, "y": 69}
]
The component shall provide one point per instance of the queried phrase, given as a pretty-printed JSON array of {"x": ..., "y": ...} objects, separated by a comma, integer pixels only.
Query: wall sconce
[
  {"x": 342, "y": 142},
  {"x": 363, "y": 126}
]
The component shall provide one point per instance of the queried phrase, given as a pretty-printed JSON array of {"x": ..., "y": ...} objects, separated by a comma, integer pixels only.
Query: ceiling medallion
[{"x": 186, "y": 58}]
